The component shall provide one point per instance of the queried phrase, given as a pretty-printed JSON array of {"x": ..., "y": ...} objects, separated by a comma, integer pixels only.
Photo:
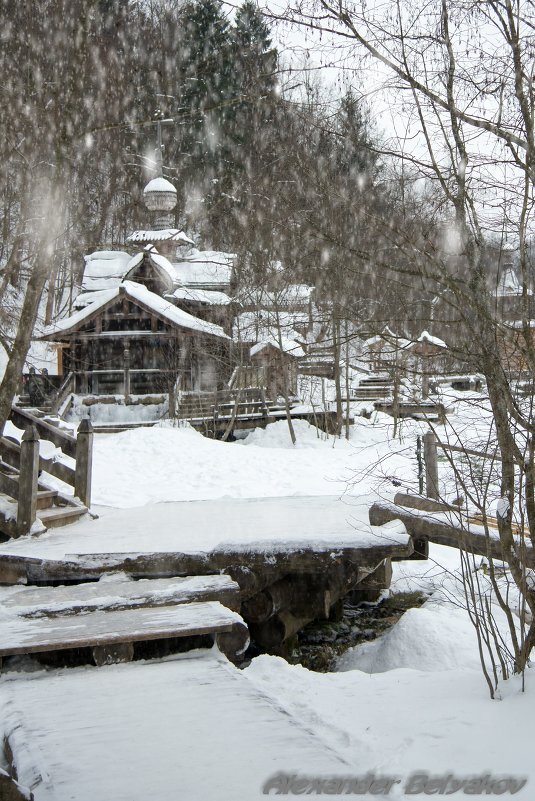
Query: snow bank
[
  {"x": 403, "y": 721},
  {"x": 424, "y": 638},
  {"x": 277, "y": 435}
]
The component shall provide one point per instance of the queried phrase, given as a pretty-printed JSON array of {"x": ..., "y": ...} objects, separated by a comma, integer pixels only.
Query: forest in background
[{"x": 259, "y": 173}]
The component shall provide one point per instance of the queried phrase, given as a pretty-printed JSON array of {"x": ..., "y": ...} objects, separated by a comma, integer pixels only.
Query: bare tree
[{"x": 462, "y": 73}]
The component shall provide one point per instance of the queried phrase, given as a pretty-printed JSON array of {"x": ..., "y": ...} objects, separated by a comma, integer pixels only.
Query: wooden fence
[{"x": 21, "y": 464}]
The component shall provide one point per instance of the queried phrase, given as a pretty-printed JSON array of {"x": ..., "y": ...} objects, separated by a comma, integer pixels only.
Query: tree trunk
[
  {"x": 337, "y": 376},
  {"x": 21, "y": 344}
]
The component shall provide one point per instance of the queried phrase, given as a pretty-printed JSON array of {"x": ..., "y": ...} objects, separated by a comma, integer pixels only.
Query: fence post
[
  {"x": 431, "y": 466},
  {"x": 84, "y": 462},
  {"x": 420, "y": 462},
  {"x": 28, "y": 476}
]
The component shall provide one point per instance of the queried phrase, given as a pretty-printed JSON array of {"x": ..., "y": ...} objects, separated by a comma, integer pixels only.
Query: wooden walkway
[
  {"x": 111, "y": 616},
  {"x": 101, "y": 629},
  {"x": 193, "y": 727},
  {"x": 293, "y": 558}
]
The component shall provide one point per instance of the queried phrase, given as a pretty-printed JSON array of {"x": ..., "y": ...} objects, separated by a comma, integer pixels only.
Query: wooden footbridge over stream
[
  {"x": 134, "y": 589},
  {"x": 146, "y": 584}
]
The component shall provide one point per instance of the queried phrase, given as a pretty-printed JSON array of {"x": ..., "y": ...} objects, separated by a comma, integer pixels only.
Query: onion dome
[{"x": 160, "y": 195}]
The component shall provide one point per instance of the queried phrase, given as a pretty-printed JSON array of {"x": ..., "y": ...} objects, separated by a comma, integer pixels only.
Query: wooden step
[
  {"x": 57, "y": 516},
  {"x": 46, "y": 498},
  {"x": 112, "y": 634},
  {"x": 113, "y": 593}
]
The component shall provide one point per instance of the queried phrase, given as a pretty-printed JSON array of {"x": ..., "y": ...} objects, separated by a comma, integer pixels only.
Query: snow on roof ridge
[
  {"x": 289, "y": 346},
  {"x": 143, "y": 295},
  {"x": 211, "y": 297},
  {"x": 425, "y": 336},
  {"x": 167, "y": 234}
]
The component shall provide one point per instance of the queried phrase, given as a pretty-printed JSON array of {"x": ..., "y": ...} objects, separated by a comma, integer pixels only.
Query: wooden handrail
[
  {"x": 22, "y": 419},
  {"x": 468, "y": 451},
  {"x": 9, "y": 486},
  {"x": 11, "y": 454},
  {"x": 65, "y": 389}
]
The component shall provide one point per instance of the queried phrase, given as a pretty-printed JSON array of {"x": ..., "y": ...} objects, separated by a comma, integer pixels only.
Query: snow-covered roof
[
  {"x": 86, "y": 298},
  {"x": 104, "y": 269},
  {"x": 144, "y": 297},
  {"x": 289, "y": 346},
  {"x": 208, "y": 297},
  {"x": 208, "y": 269},
  {"x": 253, "y": 326},
  {"x": 159, "y": 185},
  {"x": 425, "y": 336},
  {"x": 510, "y": 285},
  {"x": 290, "y": 295},
  {"x": 167, "y": 234},
  {"x": 389, "y": 338}
]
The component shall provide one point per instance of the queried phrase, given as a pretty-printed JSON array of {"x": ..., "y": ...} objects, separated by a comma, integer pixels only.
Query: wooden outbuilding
[{"x": 130, "y": 340}]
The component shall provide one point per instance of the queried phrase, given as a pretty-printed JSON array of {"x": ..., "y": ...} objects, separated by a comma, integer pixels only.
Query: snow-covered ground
[
  {"x": 168, "y": 463},
  {"x": 412, "y": 702}
]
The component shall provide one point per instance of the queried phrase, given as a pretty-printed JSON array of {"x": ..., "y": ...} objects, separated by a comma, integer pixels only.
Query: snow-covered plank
[
  {"x": 20, "y": 635},
  {"x": 114, "y": 592},
  {"x": 276, "y": 526},
  {"x": 192, "y": 727}
]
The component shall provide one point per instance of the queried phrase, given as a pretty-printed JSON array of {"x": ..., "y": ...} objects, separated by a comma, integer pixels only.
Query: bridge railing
[{"x": 26, "y": 463}]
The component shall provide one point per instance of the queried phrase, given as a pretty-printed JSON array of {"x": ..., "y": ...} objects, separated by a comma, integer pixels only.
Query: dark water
[{"x": 321, "y": 643}]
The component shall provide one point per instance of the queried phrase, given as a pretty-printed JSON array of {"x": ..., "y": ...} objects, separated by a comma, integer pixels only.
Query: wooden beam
[
  {"x": 422, "y": 503},
  {"x": 84, "y": 462},
  {"x": 22, "y": 419},
  {"x": 443, "y": 531}
]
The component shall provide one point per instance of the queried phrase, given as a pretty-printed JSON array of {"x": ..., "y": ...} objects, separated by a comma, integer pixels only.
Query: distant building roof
[
  {"x": 254, "y": 326},
  {"x": 166, "y": 235},
  {"x": 144, "y": 297},
  {"x": 207, "y": 297},
  {"x": 425, "y": 336},
  {"x": 206, "y": 269},
  {"x": 291, "y": 295},
  {"x": 288, "y": 346}
]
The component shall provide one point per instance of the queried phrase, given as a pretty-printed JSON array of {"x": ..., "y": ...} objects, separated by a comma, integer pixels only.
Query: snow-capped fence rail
[
  {"x": 29, "y": 502},
  {"x": 446, "y": 528}
]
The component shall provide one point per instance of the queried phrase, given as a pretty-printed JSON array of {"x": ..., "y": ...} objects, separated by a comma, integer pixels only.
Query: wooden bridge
[
  {"x": 274, "y": 572},
  {"x": 220, "y": 414},
  {"x": 293, "y": 559}
]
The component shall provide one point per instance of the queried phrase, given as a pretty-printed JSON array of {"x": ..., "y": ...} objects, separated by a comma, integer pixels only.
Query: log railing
[
  {"x": 66, "y": 388},
  {"x": 22, "y": 419},
  {"x": 24, "y": 457}
]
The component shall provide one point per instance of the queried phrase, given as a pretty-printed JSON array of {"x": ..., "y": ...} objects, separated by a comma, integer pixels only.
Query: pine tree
[
  {"x": 203, "y": 89},
  {"x": 249, "y": 130}
]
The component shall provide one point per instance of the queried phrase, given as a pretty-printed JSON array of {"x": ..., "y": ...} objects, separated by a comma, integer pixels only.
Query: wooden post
[
  {"x": 431, "y": 466},
  {"x": 172, "y": 401},
  {"x": 420, "y": 463},
  {"x": 29, "y": 472},
  {"x": 126, "y": 369},
  {"x": 84, "y": 462}
]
